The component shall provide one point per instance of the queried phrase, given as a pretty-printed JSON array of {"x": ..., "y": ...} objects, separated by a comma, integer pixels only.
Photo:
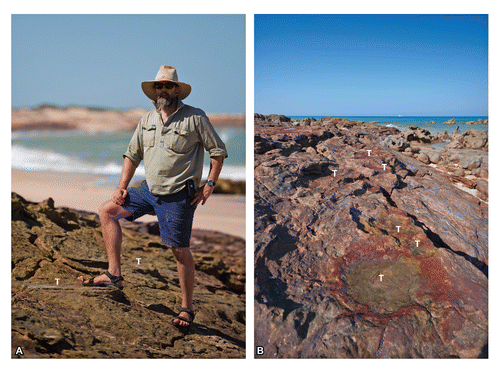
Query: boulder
[
  {"x": 414, "y": 133},
  {"x": 456, "y": 135},
  {"x": 396, "y": 143},
  {"x": 412, "y": 150},
  {"x": 470, "y": 162},
  {"x": 434, "y": 157},
  {"x": 475, "y": 139},
  {"x": 442, "y": 136},
  {"x": 454, "y": 145},
  {"x": 424, "y": 158},
  {"x": 279, "y": 118},
  {"x": 482, "y": 186}
]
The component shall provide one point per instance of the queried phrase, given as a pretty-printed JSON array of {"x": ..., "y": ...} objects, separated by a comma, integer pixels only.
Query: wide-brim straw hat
[{"x": 166, "y": 73}]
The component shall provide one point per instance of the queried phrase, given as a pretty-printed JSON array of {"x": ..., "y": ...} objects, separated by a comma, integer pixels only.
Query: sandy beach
[{"x": 222, "y": 212}]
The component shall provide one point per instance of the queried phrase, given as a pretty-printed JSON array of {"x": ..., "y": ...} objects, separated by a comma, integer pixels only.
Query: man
[{"x": 170, "y": 140}]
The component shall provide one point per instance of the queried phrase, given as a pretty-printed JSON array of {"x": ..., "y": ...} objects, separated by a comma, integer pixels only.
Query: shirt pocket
[
  {"x": 148, "y": 136},
  {"x": 180, "y": 140}
]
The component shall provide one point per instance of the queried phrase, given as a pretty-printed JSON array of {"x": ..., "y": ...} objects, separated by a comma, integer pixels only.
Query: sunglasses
[{"x": 168, "y": 85}]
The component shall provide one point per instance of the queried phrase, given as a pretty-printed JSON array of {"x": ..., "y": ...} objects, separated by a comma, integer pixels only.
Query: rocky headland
[
  {"x": 48, "y": 117},
  {"x": 364, "y": 248},
  {"x": 471, "y": 122},
  {"x": 54, "y": 316}
]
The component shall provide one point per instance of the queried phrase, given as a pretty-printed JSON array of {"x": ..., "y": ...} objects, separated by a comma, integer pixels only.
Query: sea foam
[{"x": 46, "y": 160}]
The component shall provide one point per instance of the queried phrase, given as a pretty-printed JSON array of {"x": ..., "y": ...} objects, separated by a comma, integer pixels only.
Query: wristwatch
[{"x": 211, "y": 183}]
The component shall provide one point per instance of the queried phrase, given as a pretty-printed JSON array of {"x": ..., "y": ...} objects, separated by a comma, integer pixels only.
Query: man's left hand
[{"x": 202, "y": 195}]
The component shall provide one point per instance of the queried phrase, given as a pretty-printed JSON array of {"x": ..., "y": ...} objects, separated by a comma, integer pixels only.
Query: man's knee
[
  {"x": 181, "y": 254},
  {"x": 111, "y": 211},
  {"x": 106, "y": 209}
]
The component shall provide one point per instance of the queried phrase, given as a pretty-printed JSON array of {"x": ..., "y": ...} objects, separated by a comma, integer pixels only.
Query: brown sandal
[
  {"x": 113, "y": 283},
  {"x": 188, "y": 320}
]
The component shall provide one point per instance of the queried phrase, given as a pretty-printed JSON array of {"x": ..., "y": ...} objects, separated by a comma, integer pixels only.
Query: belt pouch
[{"x": 191, "y": 190}]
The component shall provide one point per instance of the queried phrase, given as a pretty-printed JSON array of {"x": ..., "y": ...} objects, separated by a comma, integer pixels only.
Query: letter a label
[{"x": 19, "y": 351}]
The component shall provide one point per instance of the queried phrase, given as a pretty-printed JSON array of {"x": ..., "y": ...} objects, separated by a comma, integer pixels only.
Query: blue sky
[
  {"x": 101, "y": 60},
  {"x": 371, "y": 65}
]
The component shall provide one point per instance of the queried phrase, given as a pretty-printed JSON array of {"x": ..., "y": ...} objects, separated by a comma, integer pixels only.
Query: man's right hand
[{"x": 119, "y": 196}]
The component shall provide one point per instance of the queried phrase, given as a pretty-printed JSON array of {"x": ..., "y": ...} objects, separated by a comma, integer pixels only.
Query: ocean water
[
  {"x": 401, "y": 122},
  {"x": 101, "y": 154}
]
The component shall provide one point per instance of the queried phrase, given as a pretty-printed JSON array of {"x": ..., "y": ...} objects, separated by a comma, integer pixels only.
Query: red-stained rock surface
[{"x": 334, "y": 275}]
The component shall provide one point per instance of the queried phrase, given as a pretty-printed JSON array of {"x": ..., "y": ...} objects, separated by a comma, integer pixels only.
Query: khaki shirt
[{"x": 173, "y": 152}]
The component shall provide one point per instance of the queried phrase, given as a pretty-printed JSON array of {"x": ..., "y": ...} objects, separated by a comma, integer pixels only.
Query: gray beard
[{"x": 164, "y": 102}]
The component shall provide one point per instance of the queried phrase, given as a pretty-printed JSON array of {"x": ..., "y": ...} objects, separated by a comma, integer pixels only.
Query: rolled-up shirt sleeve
[
  {"x": 209, "y": 137},
  {"x": 135, "y": 150}
]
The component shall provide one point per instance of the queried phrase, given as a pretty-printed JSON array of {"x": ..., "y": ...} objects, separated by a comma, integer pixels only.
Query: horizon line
[{"x": 374, "y": 115}]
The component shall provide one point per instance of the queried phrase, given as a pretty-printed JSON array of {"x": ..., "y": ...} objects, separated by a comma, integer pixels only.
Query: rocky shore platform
[
  {"x": 364, "y": 248},
  {"x": 54, "y": 316}
]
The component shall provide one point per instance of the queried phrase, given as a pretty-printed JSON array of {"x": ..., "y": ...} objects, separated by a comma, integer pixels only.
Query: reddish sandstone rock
[{"x": 334, "y": 275}]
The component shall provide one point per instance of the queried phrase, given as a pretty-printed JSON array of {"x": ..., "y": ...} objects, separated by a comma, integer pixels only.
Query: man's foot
[
  {"x": 105, "y": 280},
  {"x": 184, "y": 319}
]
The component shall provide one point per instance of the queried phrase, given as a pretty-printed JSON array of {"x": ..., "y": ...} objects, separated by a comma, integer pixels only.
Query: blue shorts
[{"x": 174, "y": 212}]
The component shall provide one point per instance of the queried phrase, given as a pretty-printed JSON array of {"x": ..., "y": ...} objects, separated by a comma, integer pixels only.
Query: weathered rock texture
[
  {"x": 335, "y": 277},
  {"x": 72, "y": 321}
]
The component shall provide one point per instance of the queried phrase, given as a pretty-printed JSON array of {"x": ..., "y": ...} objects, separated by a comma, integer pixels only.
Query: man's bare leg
[
  {"x": 109, "y": 214},
  {"x": 185, "y": 268}
]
